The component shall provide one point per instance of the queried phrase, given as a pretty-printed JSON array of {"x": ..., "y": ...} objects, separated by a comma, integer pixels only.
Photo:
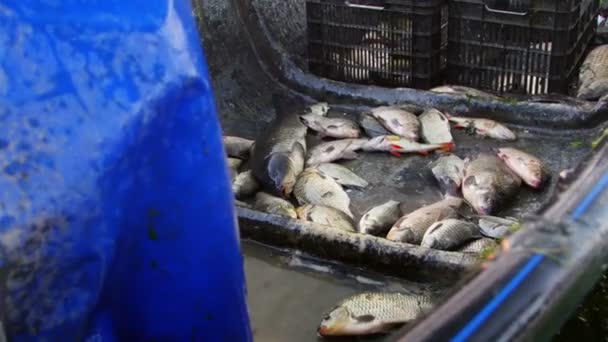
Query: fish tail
[{"x": 448, "y": 147}]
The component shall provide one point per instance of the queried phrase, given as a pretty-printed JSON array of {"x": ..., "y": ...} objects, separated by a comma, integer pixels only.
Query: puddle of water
[{"x": 288, "y": 295}]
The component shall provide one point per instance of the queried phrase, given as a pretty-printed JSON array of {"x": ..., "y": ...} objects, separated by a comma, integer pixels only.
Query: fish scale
[
  {"x": 412, "y": 227},
  {"x": 326, "y": 216},
  {"x": 314, "y": 187},
  {"x": 449, "y": 234},
  {"x": 398, "y": 121},
  {"x": 274, "y": 205},
  {"x": 387, "y": 307},
  {"x": 595, "y": 66},
  {"x": 342, "y": 175},
  {"x": 435, "y": 127}
]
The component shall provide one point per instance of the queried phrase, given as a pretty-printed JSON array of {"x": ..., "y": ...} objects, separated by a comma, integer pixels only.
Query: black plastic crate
[
  {"x": 383, "y": 42},
  {"x": 519, "y": 46}
]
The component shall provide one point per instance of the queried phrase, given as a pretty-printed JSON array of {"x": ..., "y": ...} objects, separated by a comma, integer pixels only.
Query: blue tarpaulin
[{"x": 116, "y": 215}]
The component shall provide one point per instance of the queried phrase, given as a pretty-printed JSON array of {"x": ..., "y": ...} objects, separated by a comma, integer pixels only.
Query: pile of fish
[{"x": 278, "y": 174}]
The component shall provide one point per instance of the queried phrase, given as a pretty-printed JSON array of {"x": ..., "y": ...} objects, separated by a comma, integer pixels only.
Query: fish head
[
  {"x": 341, "y": 322},
  {"x": 479, "y": 194},
  {"x": 281, "y": 174}
]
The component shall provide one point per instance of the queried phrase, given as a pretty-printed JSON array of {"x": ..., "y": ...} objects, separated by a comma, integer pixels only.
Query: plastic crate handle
[
  {"x": 371, "y": 7},
  {"x": 522, "y": 14}
]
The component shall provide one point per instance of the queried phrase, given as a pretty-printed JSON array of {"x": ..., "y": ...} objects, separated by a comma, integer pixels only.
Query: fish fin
[
  {"x": 423, "y": 153},
  {"x": 322, "y": 135},
  {"x": 448, "y": 147},
  {"x": 395, "y": 146},
  {"x": 350, "y": 155},
  {"x": 395, "y": 153},
  {"x": 459, "y": 125}
]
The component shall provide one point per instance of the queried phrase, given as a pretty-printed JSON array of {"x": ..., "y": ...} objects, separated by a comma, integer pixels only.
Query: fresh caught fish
[
  {"x": 412, "y": 227},
  {"x": 326, "y": 216},
  {"x": 484, "y": 127},
  {"x": 245, "y": 185},
  {"x": 398, "y": 121},
  {"x": 372, "y": 127},
  {"x": 279, "y": 153},
  {"x": 342, "y": 175},
  {"x": 497, "y": 227},
  {"x": 378, "y": 220},
  {"x": 594, "y": 75},
  {"x": 465, "y": 91},
  {"x": 529, "y": 168},
  {"x": 449, "y": 172},
  {"x": 435, "y": 127},
  {"x": 321, "y": 109},
  {"x": 373, "y": 313},
  {"x": 478, "y": 246},
  {"x": 334, "y": 150},
  {"x": 237, "y": 147},
  {"x": 488, "y": 184},
  {"x": 314, "y": 187},
  {"x": 397, "y": 145},
  {"x": 449, "y": 234},
  {"x": 332, "y": 127},
  {"x": 274, "y": 205},
  {"x": 234, "y": 164}
]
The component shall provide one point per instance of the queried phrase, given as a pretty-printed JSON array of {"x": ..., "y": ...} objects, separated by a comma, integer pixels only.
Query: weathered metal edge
[{"x": 376, "y": 254}]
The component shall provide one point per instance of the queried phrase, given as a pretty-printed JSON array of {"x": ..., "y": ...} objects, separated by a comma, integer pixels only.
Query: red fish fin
[
  {"x": 395, "y": 153},
  {"x": 424, "y": 153},
  {"x": 448, "y": 147},
  {"x": 395, "y": 146}
]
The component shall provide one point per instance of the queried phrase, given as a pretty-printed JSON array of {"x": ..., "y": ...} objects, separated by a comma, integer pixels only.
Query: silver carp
[
  {"x": 378, "y": 220},
  {"x": 529, "y": 168},
  {"x": 488, "y": 184},
  {"x": 435, "y": 127},
  {"x": 449, "y": 172},
  {"x": 279, "y": 153},
  {"x": 332, "y": 127},
  {"x": 593, "y": 76},
  {"x": 449, "y": 234},
  {"x": 373, "y": 313},
  {"x": 237, "y": 147},
  {"x": 326, "y": 216},
  {"x": 274, "y": 205},
  {"x": 245, "y": 185},
  {"x": 412, "y": 227},
  {"x": 334, "y": 150},
  {"x": 315, "y": 187},
  {"x": 398, "y": 121},
  {"x": 342, "y": 175},
  {"x": 484, "y": 127}
]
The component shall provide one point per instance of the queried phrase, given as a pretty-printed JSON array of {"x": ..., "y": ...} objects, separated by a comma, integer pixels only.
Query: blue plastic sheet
[{"x": 116, "y": 215}]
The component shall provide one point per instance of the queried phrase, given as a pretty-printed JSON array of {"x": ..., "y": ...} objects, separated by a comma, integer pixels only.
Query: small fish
[
  {"x": 397, "y": 145},
  {"x": 342, "y": 175},
  {"x": 373, "y": 313},
  {"x": 331, "y": 127},
  {"x": 274, "y": 205},
  {"x": 245, "y": 185},
  {"x": 378, "y": 220},
  {"x": 484, "y": 127},
  {"x": 326, "y": 216},
  {"x": 594, "y": 75},
  {"x": 237, "y": 147},
  {"x": 314, "y": 187},
  {"x": 398, "y": 121},
  {"x": 435, "y": 127},
  {"x": 412, "y": 227},
  {"x": 478, "y": 246},
  {"x": 321, "y": 109},
  {"x": 372, "y": 127},
  {"x": 279, "y": 153},
  {"x": 488, "y": 184},
  {"x": 449, "y": 172},
  {"x": 465, "y": 91},
  {"x": 497, "y": 227},
  {"x": 529, "y": 168},
  {"x": 234, "y": 164},
  {"x": 449, "y": 234},
  {"x": 334, "y": 150}
]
